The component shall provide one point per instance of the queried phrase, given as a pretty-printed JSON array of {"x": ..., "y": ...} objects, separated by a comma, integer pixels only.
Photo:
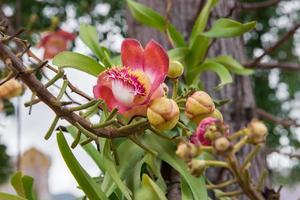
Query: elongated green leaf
[
  {"x": 149, "y": 17},
  {"x": 5, "y": 196},
  {"x": 16, "y": 182},
  {"x": 225, "y": 28},
  {"x": 150, "y": 185},
  {"x": 233, "y": 65},
  {"x": 89, "y": 149},
  {"x": 201, "y": 20},
  {"x": 28, "y": 187},
  {"x": 175, "y": 36},
  {"x": 88, "y": 34},
  {"x": 221, "y": 71},
  {"x": 78, "y": 61},
  {"x": 111, "y": 169},
  {"x": 178, "y": 53},
  {"x": 106, "y": 165},
  {"x": 86, "y": 183},
  {"x": 146, "y": 15},
  {"x": 186, "y": 193},
  {"x": 131, "y": 154},
  {"x": 197, "y": 51},
  {"x": 166, "y": 151}
]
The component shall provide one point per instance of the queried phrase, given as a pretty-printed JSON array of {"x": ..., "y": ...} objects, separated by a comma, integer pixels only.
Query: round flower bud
[
  {"x": 186, "y": 150},
  {"x": 216, "y": 114},
  {"x": 163, "y": 113},
  {"x": 175, "y": 69},
  {"x": 197, "y": 167},
  {"x": 222, "y": 144},
  {"x": 11, "y": 89},
  {"x": 257, "y": 132},
  {"x": 199, "y": 105}
]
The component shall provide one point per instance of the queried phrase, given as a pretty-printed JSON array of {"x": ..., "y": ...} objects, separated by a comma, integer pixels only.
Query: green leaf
[
  {"x": 150, "y": 188},
  {"x": 167, "y": 153},
  {"x": 175, "y": 36},
  {"x": 225, "y": 28},
  {"x": 5, "y": 196},
  {"x": 149, "y": 17},
  {"x": 78, "y": 61},
  {"x": 28, "y": 187},
  {"x": 131, "y": 154},
  {"x": 221, "y": 71},
  {"x": 88, "y": 34},
  {"x": 186, "y": 193},
  {"x": 88, "y": 185},
  {"x": 197, "y": 51},
  {"x": 89, "y": 148},
  {"x": 16, "y": 182},
  {"x": 201, "y": 20},
  {"x": 178, "y": 53},
  {"x": 106, "y": 165},
  {"x": 146, "y": 15},
  {"x": 233, "y": 65}
]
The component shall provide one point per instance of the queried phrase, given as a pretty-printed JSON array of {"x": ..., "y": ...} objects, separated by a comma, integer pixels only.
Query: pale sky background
[{"x": 35, "y": 125}]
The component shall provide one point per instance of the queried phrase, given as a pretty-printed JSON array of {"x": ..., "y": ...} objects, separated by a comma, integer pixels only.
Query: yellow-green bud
[
  {"x": 221, "y": 144},
  {"x": 198, "y": 105},
  {"x": 257, "y": 132},
  {"x": 186, "y": 151},
  {"x": 175, "y": 69},
  {"x": 163, "y": 113},
  {"x": 197, "y": 167}
]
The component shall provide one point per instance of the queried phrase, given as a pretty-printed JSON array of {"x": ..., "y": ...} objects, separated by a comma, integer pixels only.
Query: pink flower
[
  {"x": 55, "y": 42},
  {"x": 130, "y": 88},
  {"x": 199, "y": 137}
]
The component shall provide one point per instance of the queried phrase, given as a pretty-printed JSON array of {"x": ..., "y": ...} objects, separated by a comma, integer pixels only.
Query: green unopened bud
[
  {"x": 163, "y": 113},
  {"x": 197, "y": 167},
  {"x": 257, "y": 132},
  {"x": 175, "y": 69},
  {"x": 199, "y": 105},
  {"x": 186, "y": 151},
  {"x": 222, "y": 144}
]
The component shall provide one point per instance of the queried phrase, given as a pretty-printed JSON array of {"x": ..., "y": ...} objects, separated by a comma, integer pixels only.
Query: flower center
[{"x": 128, "y": 78}]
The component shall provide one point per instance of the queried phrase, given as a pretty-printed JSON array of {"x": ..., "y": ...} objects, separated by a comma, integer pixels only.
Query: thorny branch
[{"x": 15, "y": 64}]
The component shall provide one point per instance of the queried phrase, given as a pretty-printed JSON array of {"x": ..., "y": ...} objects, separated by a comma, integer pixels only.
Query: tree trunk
[{"x": 241, "y": 109}]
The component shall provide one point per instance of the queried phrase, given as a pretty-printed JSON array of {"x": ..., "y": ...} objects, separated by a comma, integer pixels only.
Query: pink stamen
[{"x": 125, "y": 75}]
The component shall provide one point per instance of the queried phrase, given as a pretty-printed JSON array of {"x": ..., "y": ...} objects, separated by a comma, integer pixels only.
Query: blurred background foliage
[{"x": 276, "y": 91}]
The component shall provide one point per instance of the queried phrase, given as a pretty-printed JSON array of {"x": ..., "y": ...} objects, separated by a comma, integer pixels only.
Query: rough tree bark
[{"x": 241, "y": 109}]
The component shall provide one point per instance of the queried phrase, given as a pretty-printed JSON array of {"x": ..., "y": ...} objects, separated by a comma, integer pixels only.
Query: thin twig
[
  {"x": 269, "y": 117},
  {"x": 283, "y": 66},
  {"x": 257, "y": 5},
  {"x": 275, "y": 46}
]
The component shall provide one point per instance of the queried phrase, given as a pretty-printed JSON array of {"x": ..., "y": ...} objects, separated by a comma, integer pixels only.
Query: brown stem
[
  {"x": 257, "y": 5},
  {"x": 283, "y": 66},
  {"x": 246, "y": 185}
]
